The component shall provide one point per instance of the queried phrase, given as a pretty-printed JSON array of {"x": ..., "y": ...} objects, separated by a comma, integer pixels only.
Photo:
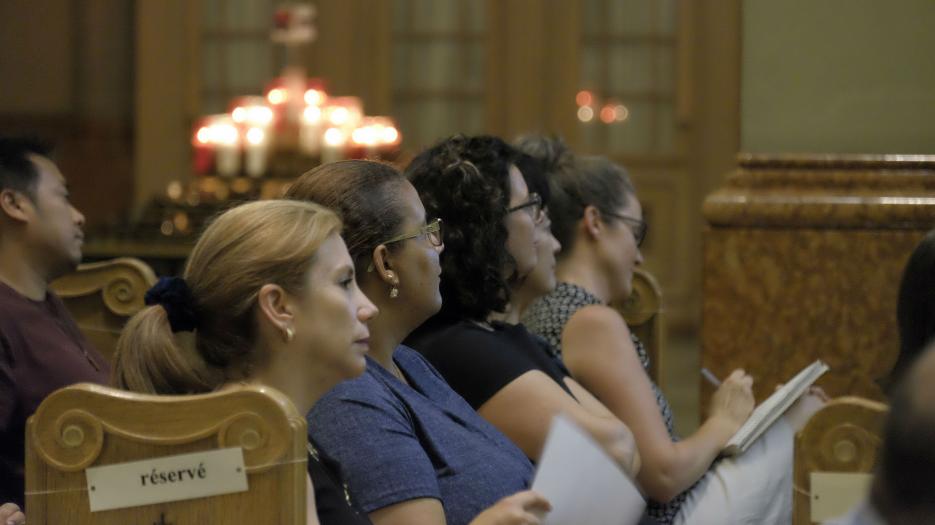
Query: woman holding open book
[{"x": 598, "y": 220}]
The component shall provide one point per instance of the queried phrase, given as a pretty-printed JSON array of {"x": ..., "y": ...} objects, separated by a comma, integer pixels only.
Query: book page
[{"x": 773, "y": 408}]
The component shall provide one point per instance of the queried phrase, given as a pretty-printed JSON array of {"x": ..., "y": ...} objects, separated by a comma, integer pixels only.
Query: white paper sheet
[{"x": 583, "y": 484}]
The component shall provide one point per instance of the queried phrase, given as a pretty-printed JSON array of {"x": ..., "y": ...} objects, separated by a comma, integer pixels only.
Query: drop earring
[
  {"x": 394, "y": 291},
  {"x": 289, "y": 334}
]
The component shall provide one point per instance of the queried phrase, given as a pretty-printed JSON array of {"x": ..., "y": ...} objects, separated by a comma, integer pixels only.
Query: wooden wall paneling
[
  {"x": 532, "y": 64},
  {"x": 562, "y": 47},
  {"x": 496, "y": 103},
  {"x": 163, "y": 96},
  {"x": 353, "y": 51}
]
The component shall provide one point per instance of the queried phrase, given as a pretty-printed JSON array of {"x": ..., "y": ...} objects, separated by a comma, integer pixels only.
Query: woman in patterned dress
[{"x": 597, "y": 218}]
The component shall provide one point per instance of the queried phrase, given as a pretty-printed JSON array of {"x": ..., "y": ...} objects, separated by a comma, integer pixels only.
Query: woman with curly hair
[
  {"x": 410, "y": 448},
  {"x": 473, "y": 184}
]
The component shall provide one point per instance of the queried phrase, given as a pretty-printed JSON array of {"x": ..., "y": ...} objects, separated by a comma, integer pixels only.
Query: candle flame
[
  {"x": 334, "y": 137},
  {"x": 277, "y": 95},
  {"x": 255, "y": 136},
  {"x": 314, "y": 97}
]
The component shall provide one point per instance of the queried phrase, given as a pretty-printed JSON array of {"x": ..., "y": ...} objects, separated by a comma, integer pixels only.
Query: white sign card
[
  {"x": 168, "y": 478},
  {"x": 584, "y": 485},
  {"x": 834, "y": 494}
]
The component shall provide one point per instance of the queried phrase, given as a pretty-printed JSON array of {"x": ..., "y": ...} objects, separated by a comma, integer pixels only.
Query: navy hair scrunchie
[{"x": 174, "y": 295}]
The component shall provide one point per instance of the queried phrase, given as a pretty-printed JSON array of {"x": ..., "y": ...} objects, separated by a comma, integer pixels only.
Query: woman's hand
[
  {"x": 733, "y": 400},
  {"x": 522, "y": 508},
  {"x": 10, "y": 514},
  {"x": 811, "y": 401}
]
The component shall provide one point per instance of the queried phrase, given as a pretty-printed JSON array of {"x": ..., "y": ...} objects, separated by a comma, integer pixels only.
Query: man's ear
[
  {"x": 16, "y": 205},
  {"x": 383, "y": 266},
  {"x": 591, "y": 221},
  {"x": 276, "y": 306}
]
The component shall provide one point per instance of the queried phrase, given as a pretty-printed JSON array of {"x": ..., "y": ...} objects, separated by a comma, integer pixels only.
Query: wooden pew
[
  {"x": 101, "y": 297},
  {"x": 642, "y": 311},
  {"x": 84, "y": 425},
  {"x": 843, "y": 437}
]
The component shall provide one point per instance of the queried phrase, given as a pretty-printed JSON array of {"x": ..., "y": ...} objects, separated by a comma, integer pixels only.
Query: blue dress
[{"x": 396, "y": 442}]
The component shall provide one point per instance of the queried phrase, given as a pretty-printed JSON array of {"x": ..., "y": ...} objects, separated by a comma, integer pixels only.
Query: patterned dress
[{"x": 547, "y": 318}]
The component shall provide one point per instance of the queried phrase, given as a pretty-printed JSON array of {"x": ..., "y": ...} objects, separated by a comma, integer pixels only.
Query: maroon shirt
[{"x": 41, "y": 350}]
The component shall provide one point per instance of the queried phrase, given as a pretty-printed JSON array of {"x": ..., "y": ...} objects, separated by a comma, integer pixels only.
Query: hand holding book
[{"x": 773, "y": 408}]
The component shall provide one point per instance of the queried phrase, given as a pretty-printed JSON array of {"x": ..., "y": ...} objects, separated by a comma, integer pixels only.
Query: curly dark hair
[
  {"x": 365, "y": 194},
  {"x": 465, "y": 182},
  {"x": 535, "y": 173}
]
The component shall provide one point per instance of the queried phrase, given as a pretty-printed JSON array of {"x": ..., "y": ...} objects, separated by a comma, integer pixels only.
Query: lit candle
[
  {"x": 251, "y": 112},
  {"x": 226, "y": 138},
  {"x": 311, "y": 130},
  {"x": 254, "y": 118},
  {"x": 390, "y": 140},
  {"x": 335, "y": 142},
  {"x": 344, "y": 112},
  {"x": 202, "y": 148},
  {"x": 376, "y": 137},
  {"x": 277, "y": 98},
  {"x": 256, "y": 151}
]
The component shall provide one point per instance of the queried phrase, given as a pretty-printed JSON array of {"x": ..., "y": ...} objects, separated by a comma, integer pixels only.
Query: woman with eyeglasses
[
  {"x": 410, "y": 449},
  {"x": 490, "y": 217},
  {"x": 599, "y": 221}
]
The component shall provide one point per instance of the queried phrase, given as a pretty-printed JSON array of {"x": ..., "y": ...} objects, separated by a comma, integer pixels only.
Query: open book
[{"x": 775, "y": 406}]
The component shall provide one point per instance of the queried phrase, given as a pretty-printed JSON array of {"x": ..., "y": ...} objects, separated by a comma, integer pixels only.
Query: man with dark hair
[
  {"x": 903, "y": 489},
  {"x": 41, "y": 348}
]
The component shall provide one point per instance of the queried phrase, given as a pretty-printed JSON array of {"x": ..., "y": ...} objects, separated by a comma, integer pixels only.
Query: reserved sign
[
  {"x": 169, "y": 478},
  {"x": 834, "y": 494}
]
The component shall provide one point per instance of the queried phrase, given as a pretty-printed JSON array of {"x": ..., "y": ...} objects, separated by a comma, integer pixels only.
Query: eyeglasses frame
[
  {"x": 534, "y": 200},
  {"x": 639, "y": 227},
  {"x": 433, "y": 226}
]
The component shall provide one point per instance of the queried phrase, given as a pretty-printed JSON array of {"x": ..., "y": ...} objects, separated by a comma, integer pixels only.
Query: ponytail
[{"x": 153, "y": 360}]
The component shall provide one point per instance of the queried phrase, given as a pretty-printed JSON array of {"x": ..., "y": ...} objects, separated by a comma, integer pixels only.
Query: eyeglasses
[
  {"x": 534, "y": 205},
  {"x": 639, "y": 227},
  {"x": 432, "y": 230}
]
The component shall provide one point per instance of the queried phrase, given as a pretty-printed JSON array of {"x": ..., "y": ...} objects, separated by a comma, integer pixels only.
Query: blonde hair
[{"x": 264, "y": 242}]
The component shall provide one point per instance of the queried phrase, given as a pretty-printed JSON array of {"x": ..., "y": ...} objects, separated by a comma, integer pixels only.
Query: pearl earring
[{"x": 289, "y": 334}]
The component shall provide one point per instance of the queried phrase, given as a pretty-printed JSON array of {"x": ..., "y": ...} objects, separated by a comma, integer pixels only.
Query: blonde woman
[{"x": 270, "y": 294}]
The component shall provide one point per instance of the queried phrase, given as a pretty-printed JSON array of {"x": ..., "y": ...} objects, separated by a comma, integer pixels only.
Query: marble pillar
[{"x": 802, "y": 260}]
